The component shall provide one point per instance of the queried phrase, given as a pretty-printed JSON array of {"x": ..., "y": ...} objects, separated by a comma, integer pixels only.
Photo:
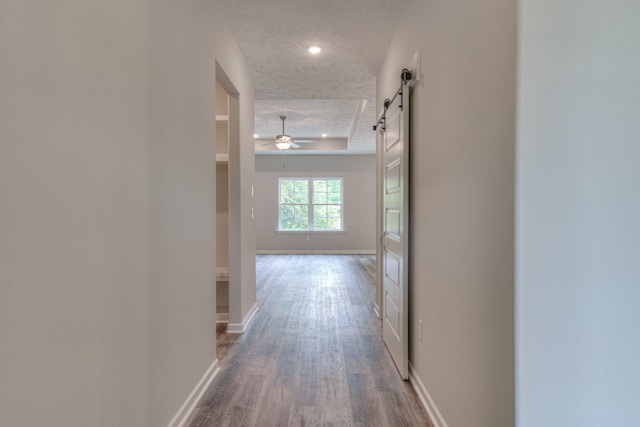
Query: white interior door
[{"x": 394, "y": 152}]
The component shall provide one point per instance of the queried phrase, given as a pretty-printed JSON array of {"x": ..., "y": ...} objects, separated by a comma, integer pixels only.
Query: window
[{"x": 310, "y": 204}]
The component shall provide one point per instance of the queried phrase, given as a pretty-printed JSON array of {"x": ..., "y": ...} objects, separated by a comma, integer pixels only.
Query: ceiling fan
[{"x": 284, "y": 141}]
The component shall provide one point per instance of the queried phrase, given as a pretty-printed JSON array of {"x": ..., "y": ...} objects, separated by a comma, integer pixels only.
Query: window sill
[{"x": 311, "y": 231}]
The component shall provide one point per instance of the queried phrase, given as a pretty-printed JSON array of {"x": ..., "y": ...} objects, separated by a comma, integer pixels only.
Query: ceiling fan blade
[
  {"x": 294, "y": 145},
  {"x": 267, "y": 143},
  {"x": 306, "y": 141}
]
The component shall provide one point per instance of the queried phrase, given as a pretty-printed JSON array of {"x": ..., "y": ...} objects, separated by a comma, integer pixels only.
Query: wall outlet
[
  {"x": 308, "y": 238},
  {"x": 420, "y": 329}
]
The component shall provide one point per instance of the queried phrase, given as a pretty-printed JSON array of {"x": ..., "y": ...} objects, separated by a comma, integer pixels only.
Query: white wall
[
  {"x": 462, "y": 195},
  {"x": 578, "y": 276},
  {"x": 358, "y": 174},
  {"x": 107, "y": 207},
  {"x": 182, "y": 202},
  {"x": 73, "y": 213}
]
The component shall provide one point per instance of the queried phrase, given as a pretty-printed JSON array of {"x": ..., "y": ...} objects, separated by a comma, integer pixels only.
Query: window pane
[
  {"x": 287, "y": 224},
  {"x": 333, "y": 198},
  {"x": 320, "y": 223},
  {"x": 320, "y": 185},
  {"x": 334, "y": 210},
  {"x": 294, "y": 199},
  {"x": 301, "y": 211},
  {"x": 301, "y": 198},
  {"x": 286, "y": 196},
  {"x": 286, "y": 211},
  {"x": 286, "y": 191},
  {"x": 327, "y": 200},
  {"x": 319, "y": 197},
  {"x": 301, "y": 186},
  {"x": 334, "y": 224},
  {"x": 333, "y": 185},
  {"x": 301, "y": 224},
  {"x": 286, "y": 185},
  {"x": 320, "y": 211}
]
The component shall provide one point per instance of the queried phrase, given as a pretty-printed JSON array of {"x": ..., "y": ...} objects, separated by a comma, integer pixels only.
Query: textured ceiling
[{"x": 333, "y": 92}]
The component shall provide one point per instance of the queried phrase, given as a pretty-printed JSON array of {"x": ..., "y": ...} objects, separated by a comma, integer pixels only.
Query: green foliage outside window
[{"x": 310, "y": 204}]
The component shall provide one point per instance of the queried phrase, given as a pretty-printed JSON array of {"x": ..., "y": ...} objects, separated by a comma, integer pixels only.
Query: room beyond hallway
[{"x": 313, "y": 354}]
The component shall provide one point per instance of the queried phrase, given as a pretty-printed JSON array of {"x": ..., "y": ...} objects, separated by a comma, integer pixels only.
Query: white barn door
[{"x": 394, "y": 151}]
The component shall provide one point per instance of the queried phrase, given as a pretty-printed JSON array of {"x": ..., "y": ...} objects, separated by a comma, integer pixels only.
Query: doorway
[
  {"x": 228, "y": 292},
  {"x": 222, "y": 205}
]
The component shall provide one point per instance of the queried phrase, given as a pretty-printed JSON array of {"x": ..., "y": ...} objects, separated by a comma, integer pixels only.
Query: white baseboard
[
  {"x": 316, "y": 252},
  {"x": 425, "y": 398},
  {"x": 222, "y": 318},
  {"x": 186, "y": 411},
  {"x": 239, "y": 328},
  {"x": 376, "y": 310}
]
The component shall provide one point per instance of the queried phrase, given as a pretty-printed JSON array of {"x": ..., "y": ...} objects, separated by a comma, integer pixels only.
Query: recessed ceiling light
[
  {"x": 324, "y": 135},
  {"x": 315, "y": 50},
  {"x": 255, "y": 135}
]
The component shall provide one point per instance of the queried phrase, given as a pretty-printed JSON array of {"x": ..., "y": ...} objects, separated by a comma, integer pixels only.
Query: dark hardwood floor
[{"x": 313, "y": 354}]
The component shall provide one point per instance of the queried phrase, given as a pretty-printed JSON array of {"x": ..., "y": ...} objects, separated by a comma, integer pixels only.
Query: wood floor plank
[
  {"x": 201, "y": 421},
  {"x": 304, "y": 416},
  {"x": 235, "y": 417},
  {"x": 394, "y": 410},
  {"x": 276, "y": 407},
  {"x": 313, "y": 354},
  {"x": 365, "y": 406},
  {"x": 334, "y": 402}
]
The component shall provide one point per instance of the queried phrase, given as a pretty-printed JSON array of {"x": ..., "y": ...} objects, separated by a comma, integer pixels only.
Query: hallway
[{"x": 313, "y": 354}]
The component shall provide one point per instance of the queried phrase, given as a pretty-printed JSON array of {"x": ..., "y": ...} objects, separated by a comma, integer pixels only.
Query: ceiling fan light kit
[
  {"x": 283, "y": 145},
  {"x": 284, "y": 138},
  {"x": 284, "y": 141}
]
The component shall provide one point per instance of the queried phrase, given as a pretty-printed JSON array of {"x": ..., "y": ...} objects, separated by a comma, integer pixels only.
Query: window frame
[{"x": 310, "y": 206}]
